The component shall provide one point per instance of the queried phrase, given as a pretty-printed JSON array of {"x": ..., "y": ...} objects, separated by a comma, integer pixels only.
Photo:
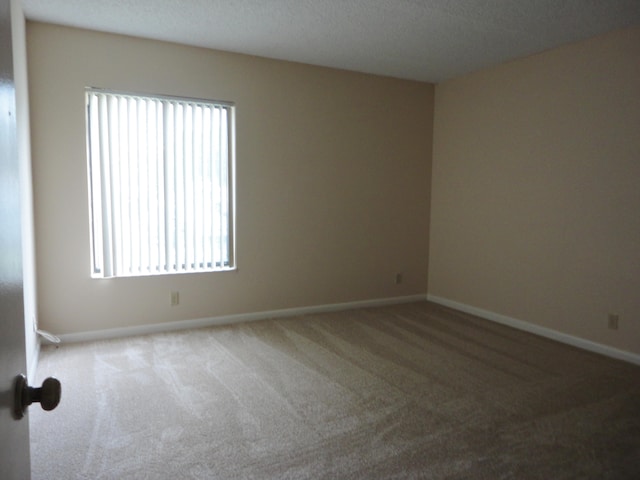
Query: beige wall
[
  {"x": 333, "y": 175},
  {"x": 536, "y": 190}
]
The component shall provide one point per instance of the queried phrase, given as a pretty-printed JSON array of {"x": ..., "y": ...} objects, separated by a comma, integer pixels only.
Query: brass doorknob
[{"x": 48, "y": 395}]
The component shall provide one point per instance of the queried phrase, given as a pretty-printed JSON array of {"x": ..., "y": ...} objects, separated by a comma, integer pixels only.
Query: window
[{"x": 160, "y": 184}]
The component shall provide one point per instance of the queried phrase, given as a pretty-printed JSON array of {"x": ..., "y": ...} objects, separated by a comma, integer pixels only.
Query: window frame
[{"x": 224, "y": 264}]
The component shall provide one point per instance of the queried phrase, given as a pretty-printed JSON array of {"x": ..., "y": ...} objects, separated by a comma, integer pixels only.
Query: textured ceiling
[{"x": 428, "y": 40}]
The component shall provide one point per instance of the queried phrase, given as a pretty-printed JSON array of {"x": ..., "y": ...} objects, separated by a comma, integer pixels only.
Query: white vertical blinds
[{"x": 160, "y": 184}]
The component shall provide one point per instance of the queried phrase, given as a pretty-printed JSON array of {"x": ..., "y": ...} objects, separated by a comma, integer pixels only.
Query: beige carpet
[{"x": 409, "y": 391}]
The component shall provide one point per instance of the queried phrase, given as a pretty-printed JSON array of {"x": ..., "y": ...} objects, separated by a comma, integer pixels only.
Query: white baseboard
[
  {"x": 289, "y": 312},
  {"x": 230, "y": 319},
  {"x": 538, "y": 330}
]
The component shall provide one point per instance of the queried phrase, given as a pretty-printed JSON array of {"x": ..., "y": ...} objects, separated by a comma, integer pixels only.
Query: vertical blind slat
[
  {"x": 194, "y": 191},
  {"x": 168, "y": 182},
  {"x": 222, "y": 163},
  {"x": 215, "y": 115}
]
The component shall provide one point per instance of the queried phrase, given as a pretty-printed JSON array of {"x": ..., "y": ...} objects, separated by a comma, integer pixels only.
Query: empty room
[{"x": 319, "y": 239}]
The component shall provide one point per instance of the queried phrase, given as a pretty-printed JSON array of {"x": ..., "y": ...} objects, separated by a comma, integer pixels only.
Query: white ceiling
[{"x": 428, "y": 40}]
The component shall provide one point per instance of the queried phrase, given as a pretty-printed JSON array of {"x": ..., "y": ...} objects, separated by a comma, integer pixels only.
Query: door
[{"x": 14, "y": 434}]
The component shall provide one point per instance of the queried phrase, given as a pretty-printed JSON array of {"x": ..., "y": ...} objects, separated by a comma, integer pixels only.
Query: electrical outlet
[
  {"x": 613, "y": 321},
  {"x": 398, "y": 278},
  {"x": 175, "y": 298}
]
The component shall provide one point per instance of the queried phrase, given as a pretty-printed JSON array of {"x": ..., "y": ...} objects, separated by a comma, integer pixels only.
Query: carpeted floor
[{"x": 403, "y": 392}]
